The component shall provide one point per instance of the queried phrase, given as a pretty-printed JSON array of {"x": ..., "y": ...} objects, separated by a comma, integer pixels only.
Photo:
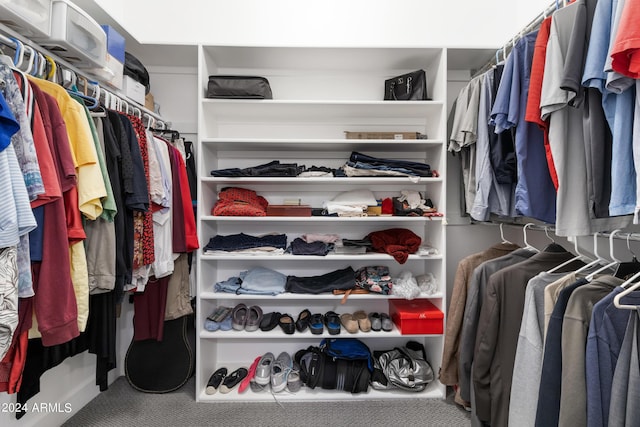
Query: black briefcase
[{"x": 407, "y": 87}]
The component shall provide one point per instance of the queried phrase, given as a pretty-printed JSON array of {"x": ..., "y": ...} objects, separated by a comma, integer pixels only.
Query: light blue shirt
[
  {"x": 535, "y": 195},
  {"x": 618, "y": 109}
]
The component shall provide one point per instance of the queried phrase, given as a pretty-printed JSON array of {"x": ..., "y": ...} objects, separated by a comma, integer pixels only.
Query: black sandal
[{"x": 332, "y": 322}]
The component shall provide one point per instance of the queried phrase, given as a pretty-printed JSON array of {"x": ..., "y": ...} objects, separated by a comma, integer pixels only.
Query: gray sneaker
[
  {"x": 294, "y": 382},
  {"x": 263, "y": 370},
  {"x": 280, "y": 370}
]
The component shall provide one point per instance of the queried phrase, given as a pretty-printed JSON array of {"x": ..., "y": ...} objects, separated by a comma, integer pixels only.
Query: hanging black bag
[{"x": 407, "y": 87}]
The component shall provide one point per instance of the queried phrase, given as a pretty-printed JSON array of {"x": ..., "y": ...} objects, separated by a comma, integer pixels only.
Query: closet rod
[
  {"x": 541, "y": 227},
  {"x": 509, "y": 45},
  {"x": 10, "y": 43}
]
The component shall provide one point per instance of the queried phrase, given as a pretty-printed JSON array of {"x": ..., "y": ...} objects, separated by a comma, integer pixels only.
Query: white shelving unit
[{"x": 319, "y": 93}]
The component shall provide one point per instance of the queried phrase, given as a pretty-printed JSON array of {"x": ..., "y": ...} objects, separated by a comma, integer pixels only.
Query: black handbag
[
  {"x": 407, "y": 87},
  {"x": 238, "y": 87}
]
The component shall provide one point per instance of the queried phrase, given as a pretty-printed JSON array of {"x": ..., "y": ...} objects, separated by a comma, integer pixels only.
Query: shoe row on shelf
[
  {"x": 251, "y": 318},
  {"x": 266, "y": 372}
]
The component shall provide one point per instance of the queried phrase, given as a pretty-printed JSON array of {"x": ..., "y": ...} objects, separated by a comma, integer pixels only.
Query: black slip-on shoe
[
  {"x": 287, "y": 324},
  {"x": 303, "y": 320},
  {"x": 215, "y": 380},
  {"x": 270, "y": 321},
  {"x": 233, "y": 379},
  {"x": 316, "y": 324},
  {"x": 332, "y": 322}
]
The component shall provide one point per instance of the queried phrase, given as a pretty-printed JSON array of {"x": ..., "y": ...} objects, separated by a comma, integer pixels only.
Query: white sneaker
[
  {"x": 280, "y": 370},
  {"x": 263, "y": 371}
]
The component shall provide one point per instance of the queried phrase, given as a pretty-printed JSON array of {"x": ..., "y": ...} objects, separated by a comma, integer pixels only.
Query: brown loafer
[
  {"x": 363, "y": 320},
  {"x": 349, "y": 323}
]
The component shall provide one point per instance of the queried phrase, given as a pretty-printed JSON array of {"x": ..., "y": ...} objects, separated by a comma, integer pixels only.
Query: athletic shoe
[
  {"x": 280, "y": 370},
  {"x": 263, "y": 370},
  {"x": 294, "y": 382}
]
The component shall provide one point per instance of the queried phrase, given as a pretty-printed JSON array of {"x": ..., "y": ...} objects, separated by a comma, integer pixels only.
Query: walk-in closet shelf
[{"x": 318, "y": 94}]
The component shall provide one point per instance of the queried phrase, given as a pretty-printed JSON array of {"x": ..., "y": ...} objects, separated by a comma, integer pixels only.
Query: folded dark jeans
[
  {"x": 272, "y": 168},
  {"x": 338, "y": 279},
  {"x": 236, "y": 242},
  {"x": 375, "y": 161}
]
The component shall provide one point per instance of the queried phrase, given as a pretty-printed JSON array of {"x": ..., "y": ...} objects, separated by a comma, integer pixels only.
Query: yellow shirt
[{"x": 91, "y": 188}]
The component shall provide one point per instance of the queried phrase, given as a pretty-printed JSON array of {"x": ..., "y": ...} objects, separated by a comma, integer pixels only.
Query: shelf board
[
  {"x": 319, "y": 144},
  {"x": 277, "y": 333},
  {"x": 354, "y": 59},
  {"x": 434, "y": 391},
  {"x": 376, "y": 219},
  {"x": 277, "y": 110},
  {"x": 305, "y": 297},
  {"x": 322, "y": 180},
  {"x": 328, "y": 257}
]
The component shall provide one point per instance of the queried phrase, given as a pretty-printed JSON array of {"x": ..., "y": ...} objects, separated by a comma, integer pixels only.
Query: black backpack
[{"x": 324, "y": 368}]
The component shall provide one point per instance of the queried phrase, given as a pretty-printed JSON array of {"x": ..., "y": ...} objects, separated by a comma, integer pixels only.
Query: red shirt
[
  {"x": 532, "y": 113},
  {"x": 626, "y": 47}
]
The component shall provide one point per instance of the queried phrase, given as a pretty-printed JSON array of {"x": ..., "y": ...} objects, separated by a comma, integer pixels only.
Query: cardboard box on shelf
[
  {"x": 288, "y": 210},
  {"x": 383, "y": 135},
  {"x": 149, "y": 102}
]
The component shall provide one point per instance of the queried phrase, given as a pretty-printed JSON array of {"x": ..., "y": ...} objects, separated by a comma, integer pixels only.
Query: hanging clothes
[
  {"x": 534, "y": 192},
  {"x": 497, "y": 336},
  {"x": 464, "y": 272},
  {"x": 604, "y": 342}
]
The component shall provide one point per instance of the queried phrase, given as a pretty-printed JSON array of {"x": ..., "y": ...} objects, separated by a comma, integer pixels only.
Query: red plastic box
[{"x": 418, "y": 316}]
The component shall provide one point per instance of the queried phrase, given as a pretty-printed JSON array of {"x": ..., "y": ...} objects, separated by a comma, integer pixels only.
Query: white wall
[{"x": 487, "y": 23}]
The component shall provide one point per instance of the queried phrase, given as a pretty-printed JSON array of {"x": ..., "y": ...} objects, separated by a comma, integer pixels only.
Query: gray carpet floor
[{"x": 121, "y": 405}]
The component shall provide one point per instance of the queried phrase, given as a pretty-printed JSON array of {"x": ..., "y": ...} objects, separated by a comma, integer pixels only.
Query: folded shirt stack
[
  {"x": 268, "y": 244},
  {"x": 351, "y": 203}
]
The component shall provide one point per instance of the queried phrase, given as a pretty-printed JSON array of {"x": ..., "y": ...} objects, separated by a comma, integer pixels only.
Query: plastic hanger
[
  {"x": 591, "y": 276},
  {"x": 504, "y": 241},
  {"x": 553, "y": 246},
  {"x": 627, "y": 291},
  {"x": 526, "y": 242},
  {"x": 29, "y": 63},
  {"x": 18, "y": 57},
  {"x": 53, "y": 68},
  {"x": 629, "y": 267},
  {"x": 599, "y": 259},
  {"x": 578, "y": 257}
]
